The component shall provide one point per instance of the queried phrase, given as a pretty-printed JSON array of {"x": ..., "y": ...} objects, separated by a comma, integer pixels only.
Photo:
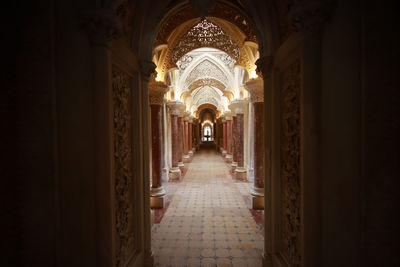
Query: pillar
[
  {"x": 234, "y": 149},
  {"x": 190, "y": 133},
  {"x": 228, "y": 157},
  {"x": 186, "y": 139},
  {"x": 180, "y": 141},
  {"x": 175, "y": 109},
  {"x": 256, "y": 88},
  {"x": 223, "y": 137},
  {"x": 239, "y": 108},
  {"x": 156, "y": 99}
]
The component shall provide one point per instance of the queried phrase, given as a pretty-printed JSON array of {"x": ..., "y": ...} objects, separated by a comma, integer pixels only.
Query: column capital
[
  {"x": 228, "y": 115},
  {"x": 238, "y": 106},
  {"x": 101, "y": 25},
  {"x": 256, "y": 89},
  {"x": 147, "y": 68},
  {"x": 186, "y": 116},
  {"x": 176, "y": 107},
  {"x": 156, "y": 92},
  {"x": 264, "y": 66},
  {"x": 310, "y": 16}
]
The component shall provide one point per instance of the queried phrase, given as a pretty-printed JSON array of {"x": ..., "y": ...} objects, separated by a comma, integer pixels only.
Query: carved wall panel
[
  {"x": 124, "y": 220},
  {"x": 290, "y": 164}
]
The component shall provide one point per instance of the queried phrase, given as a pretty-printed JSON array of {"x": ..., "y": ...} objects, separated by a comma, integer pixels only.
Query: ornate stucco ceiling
[
  {"x": 205, "y": 75},
  {"x": 205, "y": 34}
]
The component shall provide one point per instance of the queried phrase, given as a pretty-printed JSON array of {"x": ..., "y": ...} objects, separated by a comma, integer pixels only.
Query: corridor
[{"x": 207, "y": 221}]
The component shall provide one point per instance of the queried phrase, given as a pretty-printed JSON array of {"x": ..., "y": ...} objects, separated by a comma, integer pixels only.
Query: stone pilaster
[
  {"x": 156, "y": 99},
  {"x": 256, "y": 90},
  {"x": 239, "y": 107},
  {"x": 175, "y": 109}
]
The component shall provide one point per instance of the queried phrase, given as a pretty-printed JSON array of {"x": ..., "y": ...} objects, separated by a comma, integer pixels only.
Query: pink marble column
[
  {"x": 186, "y": 135},
  {"x": 239, "y": 107},
  {"x": 156, "y": 136},
  {"x": 180, "y": 141},
  {"x": 175, "y": 108},
  {"x": 190, "y": 144},
  {"x": 234, "y": 150},
  {"x": 156, "y": 99},
  {"x": 256, "y": 90},
  {"x": 228, "y": 156},
  {"x": 258, "y": 144},
  {"x": 175, "y": 140},
  {"x": 224, "y": 137}
]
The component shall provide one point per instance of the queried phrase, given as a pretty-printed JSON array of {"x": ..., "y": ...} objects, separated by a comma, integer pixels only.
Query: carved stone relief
[
  {"x": 124, "y": 217},
  {"x": 290, "y": 164}
]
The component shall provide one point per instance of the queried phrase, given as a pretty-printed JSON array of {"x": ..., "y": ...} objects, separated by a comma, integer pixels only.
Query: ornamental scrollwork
[
  {"x": 124, "y": 219},
  {"x": 205, "y": 34},
  {"x": 290, "y": 164}
]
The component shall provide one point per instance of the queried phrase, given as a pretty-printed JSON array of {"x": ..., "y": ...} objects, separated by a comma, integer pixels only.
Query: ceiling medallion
[{"x": 205, "y": 34}]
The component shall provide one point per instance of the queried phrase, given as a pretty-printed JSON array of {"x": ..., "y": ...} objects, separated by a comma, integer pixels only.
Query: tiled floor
[{"x": 207, "y": 222}]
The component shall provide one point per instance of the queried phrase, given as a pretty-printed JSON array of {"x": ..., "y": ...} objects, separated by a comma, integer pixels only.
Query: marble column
[
  {"x": 180, "y": 141},
  {"x": 256, "y": 88},
  {"x": 228, "y": 157},
  {"x": 186, "y": 138},
  {"x": 191, "y": 137},
  {"x": 175, "y": 109},
  {"x": 156, "y": 99},
  {"x": 234, "y": 149},
  {"x": 239, "y": 107},
  {"x": 223, "y": 137}
]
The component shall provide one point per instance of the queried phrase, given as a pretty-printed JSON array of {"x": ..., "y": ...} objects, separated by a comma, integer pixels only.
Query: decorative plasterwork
[
  {"x": 206, "y": 94},
  {"x": 156, "y": 92},
  {"x": 206, "y": 82},
  {"x": 256, "y": 90},
  {"x": 123, "y": 190},
  {"x": 206, "y": 69},
  {"x": 238, "y": 106},
  {"x": 205, "y": 34},
  {"x": 290, "y": 164},
  {"x": 218, "y": 10}
]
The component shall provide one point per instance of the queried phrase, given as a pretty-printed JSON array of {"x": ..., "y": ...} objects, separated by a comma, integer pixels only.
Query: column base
[
  {"x": 233, "y": 166},
  {"x": 181, "y": 165},
  {"x": 186, "y": 158},
  {"x": 224, "y": 153},
  {"x": 175, "y": 173},
  {"x": 257, "y": 198},
  {"x": 241, "y": 174},
  {"x": 228, "y": 158},
  {"x": 190, "y": 152},
  {"x": 157, "y": 197}
]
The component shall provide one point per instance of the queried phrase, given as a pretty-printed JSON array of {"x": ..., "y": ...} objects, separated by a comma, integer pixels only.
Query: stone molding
[
  {"x": 101, "y": 25},
  {"x": 156, "y": 92},
  {"x": 256, "y": 90},
  {"x": 238, "y": 106},
  {"x": 310, "y": 16},
  {"x": 264, "y": 66},
  {"x": 176, "y": 107}
]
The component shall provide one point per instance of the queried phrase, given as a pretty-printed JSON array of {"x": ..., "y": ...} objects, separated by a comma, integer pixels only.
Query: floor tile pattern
[{"x": 207, "y": 222}]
